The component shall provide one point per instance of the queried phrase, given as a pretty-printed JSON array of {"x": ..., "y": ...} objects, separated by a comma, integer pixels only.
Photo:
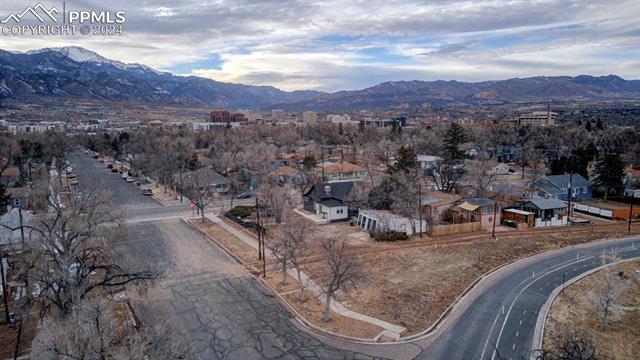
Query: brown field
[{"x": 574, "y": 309}]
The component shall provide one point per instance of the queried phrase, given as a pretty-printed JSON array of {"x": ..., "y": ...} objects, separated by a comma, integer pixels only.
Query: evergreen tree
[
  {"x": 588, "y": 126},
  {"x": 452, "y": 140},
  {"x": 406, "y": 160},
  {"x": 309, "y": 162},
  {"x": 609, "y": 174},
  {"x": 599, "y": 125}
]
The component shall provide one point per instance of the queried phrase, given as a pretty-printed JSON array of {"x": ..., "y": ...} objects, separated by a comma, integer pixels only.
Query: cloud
[{"x": 332, "y": 44}]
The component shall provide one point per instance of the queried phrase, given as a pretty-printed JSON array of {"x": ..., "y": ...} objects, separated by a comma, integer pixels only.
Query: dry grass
[
  {"x": 313, "y": 310},
  {"x": 576, "y": 311},
  {"x": 8, "y": 336},
  {"x": 413, "y": 286}
]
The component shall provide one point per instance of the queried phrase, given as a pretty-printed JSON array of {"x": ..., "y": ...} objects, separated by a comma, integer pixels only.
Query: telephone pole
[
  {"x": 420, "y": 205},
  {"x": 495, "y": 216},
  {"x": 630, "y": 216},
  {"x": 258, "y": 230}
]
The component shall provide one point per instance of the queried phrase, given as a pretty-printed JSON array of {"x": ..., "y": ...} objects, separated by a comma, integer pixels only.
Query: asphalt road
[
  {"x": 222, "y": 310},
  {"x": 500, "y": 323},
  {"x": 227, "y": 315}
]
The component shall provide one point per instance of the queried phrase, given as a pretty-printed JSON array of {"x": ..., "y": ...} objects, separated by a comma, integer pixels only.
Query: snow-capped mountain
[
  {"x": 74, "y": 72},
  {"x": 80, "y": 54}
]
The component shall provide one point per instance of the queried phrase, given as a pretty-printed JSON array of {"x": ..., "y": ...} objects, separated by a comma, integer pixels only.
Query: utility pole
[
  {"x": 322, "y": 159},
  {"x": 570, "y": 193},
  {"x": 259, "y": 230},
  {"x": 630, "y": 216},
  {"x": 264, "y": 257},
  {"x": 5, "y": 294},
  {"x": 21, "y": 228},
  {"x": 420, "y": 205},
  {"x": 495, "y": 215}
]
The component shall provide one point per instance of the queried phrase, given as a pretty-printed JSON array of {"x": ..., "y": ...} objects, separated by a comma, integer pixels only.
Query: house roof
[
  {"x": 439, "y": 198},
  {"x": 285, "y": 170},
  {"x": 562, "y": 181},
  {"x": 481, "y": 201},
  {"x": 547, "y": 204},
  {"x": 12, "y": 171},
  {"x": 469, "y": 207},
  {"x": 18, "y": 192},
  {"x": 337, "y": 194},
  {"x": 212, "y": 176},
  {"x": 342, "y": 167}
]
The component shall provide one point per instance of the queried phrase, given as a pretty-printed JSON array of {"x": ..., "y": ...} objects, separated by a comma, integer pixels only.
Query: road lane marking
[{"x": 495, "y": 348}]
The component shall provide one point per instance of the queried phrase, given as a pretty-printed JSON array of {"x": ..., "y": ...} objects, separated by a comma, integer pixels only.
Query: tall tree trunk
[{"x": 327, "y": 309}]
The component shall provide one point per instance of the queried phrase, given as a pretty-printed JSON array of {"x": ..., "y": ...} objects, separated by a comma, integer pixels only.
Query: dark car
[
  {"x": 244, "y": 195},
  {"x": 110, "y": 166},
  {"x": 114, "y": 170},
  {"x": 147, "y": 192}
]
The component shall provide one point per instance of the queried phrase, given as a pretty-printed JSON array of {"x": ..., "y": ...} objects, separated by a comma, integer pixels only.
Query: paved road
[
  {"x": 226, "y": 313},
  {"x": 500, "y": 323},
  {"x": 223, "y": 311}
]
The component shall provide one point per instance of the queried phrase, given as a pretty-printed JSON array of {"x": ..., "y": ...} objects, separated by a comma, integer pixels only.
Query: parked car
[
  {"x": 147, "y": 192},
  {"x": 244, "y": 195},
  {"x": 125, "y": 174},
  {"x": 109, "y": 166},
  {"x": 130, "y": 179},
  {"x": 114, "y": 170},
  {"x": 73, "y": 182},
  {"x": 72, "y": 176}
]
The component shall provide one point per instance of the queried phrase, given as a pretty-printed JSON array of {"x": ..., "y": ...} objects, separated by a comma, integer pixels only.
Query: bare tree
[
  {"x": 97, "y": 329},
  {"x": 480, "y": 175},
  {"x": 569, "y": 346},
  {"x": 290, "y": 245},
  {"x": 275, "y": 198},
  {"x": 607, "y": 293},
  {"x": 69, "y": 252},
  {"x": 199, "y": 185},
  {"x": 9, "y": 148},
  {"x": 344, "y": 270}
]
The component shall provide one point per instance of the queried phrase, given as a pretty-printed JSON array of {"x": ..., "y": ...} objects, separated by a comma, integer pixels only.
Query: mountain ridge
[{"x": 75, "y": 72}]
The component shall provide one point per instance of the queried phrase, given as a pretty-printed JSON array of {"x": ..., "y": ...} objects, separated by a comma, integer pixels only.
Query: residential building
[
  {"x": 18, "y": 197},
  {"x": 340, "y": 171},
  {"x": 435, "y": 205},
  {"x": 383, "y": 123},
  {"x": 428, "y": 162},
  {"x": 557, "y": 186},
  {"x": 482, "y": 210},
  {"x": 329, "y": 201},
  {"x": 225, "y": 117},
  {"x": 217, "y": 184},
  {"x": 548, "y": 212},
  {"x": 289, "y": 175},
  {"x": 382, "y": 220}
]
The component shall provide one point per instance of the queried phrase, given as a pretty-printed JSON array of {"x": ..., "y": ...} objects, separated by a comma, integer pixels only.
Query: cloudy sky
[{"x": 332, "y": 45}]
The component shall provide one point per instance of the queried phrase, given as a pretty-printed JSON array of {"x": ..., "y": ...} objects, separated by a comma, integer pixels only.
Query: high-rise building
[
  {"x": 309, "y": 117},
  {"x": 220, "y": 116}
]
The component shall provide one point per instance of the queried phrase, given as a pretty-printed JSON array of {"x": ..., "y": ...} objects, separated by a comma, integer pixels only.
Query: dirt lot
[
  {"x": 411, "y": 283},
  {"x": 573, "y": 310},
  {"x": 413, "y": 286}
]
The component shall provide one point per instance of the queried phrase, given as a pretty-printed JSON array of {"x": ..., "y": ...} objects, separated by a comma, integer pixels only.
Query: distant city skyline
[{"x": 344, "y": 45}]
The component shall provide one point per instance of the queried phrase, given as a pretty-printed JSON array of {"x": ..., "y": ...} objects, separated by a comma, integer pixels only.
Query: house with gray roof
[
  {"x": 548, "y": 212},
  {"x": 557, "y": 186},
  {"x": 329, "y": 200}
]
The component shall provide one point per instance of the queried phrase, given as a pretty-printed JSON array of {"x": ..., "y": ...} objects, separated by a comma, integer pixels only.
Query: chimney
[{"x": 327, "y": 189}]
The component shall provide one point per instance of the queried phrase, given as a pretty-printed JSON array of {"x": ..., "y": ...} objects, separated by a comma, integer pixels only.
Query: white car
[
  {"x": 125, "y": 174},
  {"x": 130, "y": 179}
]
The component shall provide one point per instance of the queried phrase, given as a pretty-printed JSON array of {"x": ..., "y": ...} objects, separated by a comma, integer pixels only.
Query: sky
[{"x": 335, "y": 45}]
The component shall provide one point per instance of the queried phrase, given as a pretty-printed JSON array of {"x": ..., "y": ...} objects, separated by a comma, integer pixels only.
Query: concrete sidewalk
[{"x": 390, "y": 330}]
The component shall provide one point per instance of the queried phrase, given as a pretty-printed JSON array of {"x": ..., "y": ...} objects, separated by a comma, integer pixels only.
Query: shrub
[
  {"x": 240, "y": 211},
  {"x": 390, "y": 235}
]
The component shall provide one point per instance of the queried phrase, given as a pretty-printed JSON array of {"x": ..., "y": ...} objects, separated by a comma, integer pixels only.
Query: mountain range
[{"x": 74, "y": 72}]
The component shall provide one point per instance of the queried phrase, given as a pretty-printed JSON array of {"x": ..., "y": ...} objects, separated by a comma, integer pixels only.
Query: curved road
[{"x": 227, "y": 314}]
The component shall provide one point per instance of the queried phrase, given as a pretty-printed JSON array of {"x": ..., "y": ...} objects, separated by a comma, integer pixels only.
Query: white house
[
  {"x": 382, "y": 220},
  {"x": 329, "y": 200},
  {"x": 428, "y": 161}
]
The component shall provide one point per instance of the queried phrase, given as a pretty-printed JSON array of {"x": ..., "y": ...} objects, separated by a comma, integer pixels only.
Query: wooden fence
[{"x": 450, "y": 229}]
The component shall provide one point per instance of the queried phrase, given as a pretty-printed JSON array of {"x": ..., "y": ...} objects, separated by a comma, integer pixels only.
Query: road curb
[{"x": 541, "y": 322}]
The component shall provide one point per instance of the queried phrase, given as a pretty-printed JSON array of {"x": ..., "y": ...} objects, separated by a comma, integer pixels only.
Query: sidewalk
[{"x": 390, "y": 330}]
